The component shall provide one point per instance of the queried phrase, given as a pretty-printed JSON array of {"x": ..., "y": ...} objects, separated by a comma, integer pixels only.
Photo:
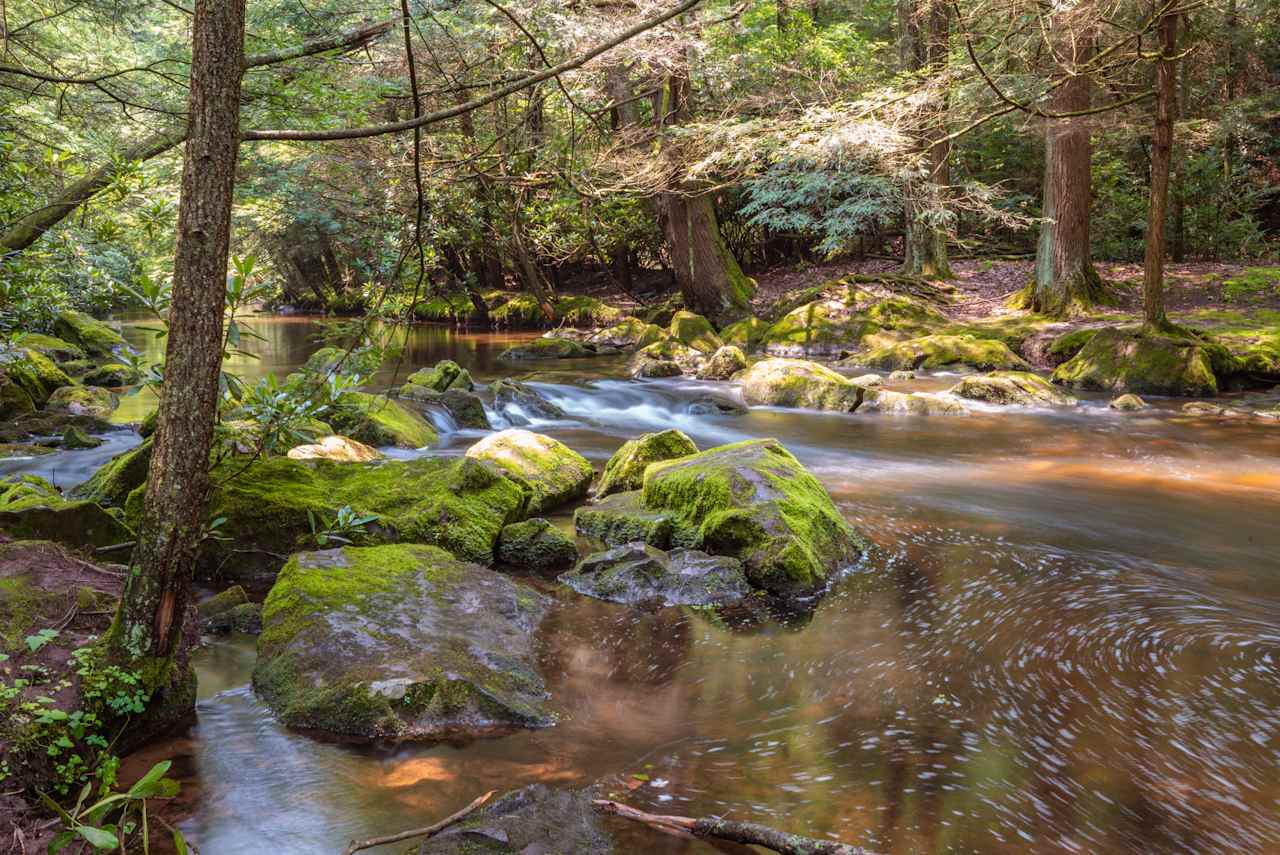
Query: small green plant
[
  {"x": 109, "y": 822},
  {"x": 343, "y": 527},
  {"x": 38, "y": 640}
]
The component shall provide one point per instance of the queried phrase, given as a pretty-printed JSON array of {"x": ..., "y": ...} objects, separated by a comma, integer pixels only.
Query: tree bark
[
  {"x": 148, "y": 625},
  {"x": 924, "y": 39},
  {"x": 1161, "y": 154}
]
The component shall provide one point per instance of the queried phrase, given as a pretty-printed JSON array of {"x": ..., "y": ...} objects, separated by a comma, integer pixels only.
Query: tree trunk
[
  {"x": 924, "y": 38},
  {"x": 1066, "y": 282},
  {"x": 710, "y": 280},
  {"x": 1161, "y": 154},
  {"x": 149, "y": 624}
]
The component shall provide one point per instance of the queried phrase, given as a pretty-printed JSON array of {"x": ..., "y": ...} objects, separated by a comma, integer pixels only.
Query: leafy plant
[
  {"x": 343, "y": 527},
  {"x": 40, "y": 639},
  {"x": 107, "y": 823}
]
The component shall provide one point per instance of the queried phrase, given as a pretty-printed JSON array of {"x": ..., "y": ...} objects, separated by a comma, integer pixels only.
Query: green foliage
[
  {"x": 344, "y": 527},
  {"x": 109, "y": 822}
]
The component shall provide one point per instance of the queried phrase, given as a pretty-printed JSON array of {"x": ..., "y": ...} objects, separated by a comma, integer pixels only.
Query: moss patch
[
  {"x": 695, "y": 331},
  {"x": 944, "y": 351},
  {"x": 536, "y": 545},
  {"x": 625, "y": 469},
  {"x": 1129, "y": 359},
  {"x": 33, "y": 509},
  {"x": 549, "y": 472},
  {"x": 799, "y": 383},
  {"x": 379, "y": 420},
  {"x": 93, "y": 336}
]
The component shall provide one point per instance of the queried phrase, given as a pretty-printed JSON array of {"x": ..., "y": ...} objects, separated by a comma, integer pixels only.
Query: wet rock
[
  {"x": 637, "y": 573},
  {"x": 466, "y": 408},
  {"x": 1128, "y": 403},
  {"x": 629, "y": 334},
  {"x": 1017, "y": 388},
  {"x": 245, "y": 618},
  {"x": 111, "y": 485},
  {"x": 536, "y": 545},
  {"x": 378, "y": 420},
  {"x": 666, "y": 358},
  {"x": 84, "y": 401},
  {"x": 1205, "y": 408},
  {"x": 14, "y": 400},
  {"x": 33, "y": 373},
  {"x": 745, "y": 334},
  {"x": 363, "y": 362},
  {"x": 944, "y": 351},
  {"x": 399, "y": 641},
  {"x": 622, "y": 518},
  {"x": 546, "y": 348},
  {"x": 48, "y": 423},
  {"x": 901, "y": 376},
  {"x": 535, "y": 820},
  {"x": 754, "y": 501},
  {"x": 445, "y": 374},
  {"x": 914, "y": 403},
  {"x": 798, "y": 383},
  {"x": 549, "y": 472},
  {"x": 222, "y": 601},
  {"x": 1126, "y": 359},
  {"x": 694, "y": 331},
  {"x": 713, "y": 407},
  {"x": 519, "y": 403},
  {"x": 10, "y": 450},
  {"x": 1068, "y": 344},
  {"x": 113, "y": 374},
  {"x": 33, "y": 509},
  {"x": 57, "y": 349},
  {"x": 75, "y": 439},
  {"x": 334, "y": 447},
  {"x": 867, "y": 381},
  {"x": 625, "y": 469},
  {"x": 93, "y": 336},
  {"x": 723, "y": 364}
]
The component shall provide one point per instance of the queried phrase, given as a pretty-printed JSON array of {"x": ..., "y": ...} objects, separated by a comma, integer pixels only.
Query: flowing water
[{"x": 1067, "y": 640}]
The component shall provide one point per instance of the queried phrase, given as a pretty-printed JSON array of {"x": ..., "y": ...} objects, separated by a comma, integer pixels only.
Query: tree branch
[{"x": 429, "y": 831}]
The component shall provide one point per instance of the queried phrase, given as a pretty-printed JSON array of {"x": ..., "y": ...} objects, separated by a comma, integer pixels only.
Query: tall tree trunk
[
  {"x": 924, "y": 39},
  {"x": 148, "y": 626},
  {"x": 1161, "y": 154},
  {"x": 1066, "y": 282}
]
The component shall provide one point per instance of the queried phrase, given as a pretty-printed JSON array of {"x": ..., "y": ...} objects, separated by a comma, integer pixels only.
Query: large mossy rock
[
  {"x": 550, "y": 473},
  {"x": 724, "y": 363},
  {"x": 399, "y": 641},
  {"x": 754, "y": 501},
  {"x": 57, "y": 349},
  {"x": 850, "y": 317},
  {"x": 638, "y": 573},
  {"x": 944, "y": 351},
  {"x": 746, "y": 333},
  {"x": 84, "y": 401},
  {"x": 694, "y": 331},
  {"x": 344, "y": 449},
  {"x": 622, "y": 518},
  {"x": 445, "y": 374},
  {"x": 520, "y": 403},
  {"x": 113, "y": 375},
  {"x": 93, "y": 336},
  {"x": 535, "y": 820},
  {"x": 117, "y": 478},
  {"x": 536, "y": 545},
  {"x": 625, "y": 469},
  {"x": 1017, "y": 388},
  {"x": 799, "y": 383},
  {"x": 629, "y": 334},
  {"x": 33, "y": 509},
  {"x": 379, "y": 420},
  {"x": 14, "y": 400},
  {"x": 364, "y": 362},
  {"x": 666, "y": 358},
  {"x": 464, "y": 407},
  {"x": 546, "y": 348},
  {"x": 1129, "y": 359},
  {"x": 913, "y": 403},
  {"x": 34, "y": 373}
]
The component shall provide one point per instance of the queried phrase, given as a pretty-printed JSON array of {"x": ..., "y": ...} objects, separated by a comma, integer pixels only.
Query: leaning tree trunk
[
  {"x": 1161, "y": 154},
  {"x": 710, "y": 280},
  {"x": 924, "y": 37},
  {"x": 148, "y": 627},
  {"x": 1066, "y": 282}
]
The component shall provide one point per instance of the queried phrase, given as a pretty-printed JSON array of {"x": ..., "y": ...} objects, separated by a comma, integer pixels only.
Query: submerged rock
[
  {"x": 914, "y": 403},
  {"x": 93, "y": 336},
  {"x": 466, "y": 408},
  {"x": 867, "y": 381},
  {"x": 901, "y": 376},
  {"x": 694, "y": 331},
  {"x": 10, "y": 450},
  {"x": 535, "y": 820},
  {"x": 798, "y": 383},
  {"x": 334, "y": 447},
  {"x": 536, "y": 545},
  {"x": 519, "y": 403},
  {"x": 75, "y": 439},
  {"x": 710, "y": 406},
  {"x": 1127, "y": 359},
  {"x": 379, "y": 420},
  {"x": 1128, "y": 403},
  {"x": 629, "y": 334},
  {"x": 944, "y": 351},
  {"x": 33, "y": 509},
  {"x": 399, "y": 641},
  {"x": 723, "y": 364},
  {"x": 84, "y": 401},
  {"x": 1020, "y": 388},
  {"x": 625, "y": 469},
  {"x": 638, "y": 573},
  {"x": 550, "y": 472},
  {"x": 546, "y": 348},
  {"x": 622, "y": 518}
]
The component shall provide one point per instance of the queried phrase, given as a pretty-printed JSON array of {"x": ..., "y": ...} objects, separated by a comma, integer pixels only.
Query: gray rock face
[
  {"x": 399, "y": 641},
  {"x": 535, "y": 820},
  {"x": 519, "y": 403},
  {"x": 622, "y": 518},
  {"x": 636, "y": 573}
]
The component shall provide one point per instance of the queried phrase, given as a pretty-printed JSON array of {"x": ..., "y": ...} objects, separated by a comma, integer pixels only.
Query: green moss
[
  {"x": 84, "y": 400},
  {"x": 14, "y": 400},
  {"x": 625, "y": 469},
  {"x": 224, "y": 601},
  {"x": 746, "y": 334},
  {"x": 113, "y": 374},
  {"x": 824, "y": 327},
  {"x": 1252, "y": 283},
  {"x": 549, "y": 471},
  {"x": 694, "y": 331},
  {"x": 445, "y": 374},
  {"x": 55, "y": 348},
  {"x": 1069, "y": 344},
  {"x": 379, "y": 420},
  {"x": 94, "y": 336},
  {"x": 537, "y": 545},
  {"x": 545, "y": 348},
  {"x": 362, "y": 361},
  {"x": 35, "y": 373},
  {"x": 33, "y": 509},
  {"x": 630, "y": 333},
  {"x": 583, "y": 311},
  {"x": 1130, "y": 359},
  {"x": 799, "y": 383},
  {"x": 1018, "y": 388},
  {"x": 111, "y": 484},
  {"x": 943, "y": 351},
  {"x": 622, "y": 518}
]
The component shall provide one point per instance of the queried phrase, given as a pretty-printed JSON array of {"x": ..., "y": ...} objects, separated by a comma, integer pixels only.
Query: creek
[{"x": 1067, "y": 640}]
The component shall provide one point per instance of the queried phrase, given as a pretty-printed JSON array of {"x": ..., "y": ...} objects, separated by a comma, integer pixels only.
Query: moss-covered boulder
[
  {"x": 112, "y": 375},
  {"x": 746, "y": 333},
  {"x": 364, "y": 362},
  {"x": 14, "y": 400},
  {"x": 1128, "y": 403},
  {"x": 74, "y": 439},
  {"x": 33, "y": 509},
  {"x": 628, "y": 334},
  {"x": 695, "y": 331},
  {"x": 84, "y": 401},
  {"x": 529, "y": 821},
  {"x": 400, "y": 641},
  {"x": 666, "y": 358},
  {"x": 379, "y": 420},
  {"x": 50, "y": 423},
  {"x": 34, "y": 373},
  {"x": 11, "y": 450},
  {"x": 638, "y": 573},
  {"x": 93, "y": 336},
  {"x": 1131, "y": 359},
  {"x": 849, "y": 317},
  {"x": 536, "y": 545},
  {"x": 1017, "y": 388},
  {"x": 1068, "y": 344},
  {"x": 334, "y": 447},
  {"x": 549, "y": 472},
  {"x": 625, "y": 469},
  {"x": 546, "y": 348},
  {"x": 465, "y": 408},
  {"x": 226, "y": 599},
  {"x": 111, "y": 485},
  {"x": 623, "y": 518},
  {"x": 57, "y": 349},
  {"x": 754, "y": 501},
  {"x": 245, "y": 618},
  {"x": 944, "y": 351},
  {"x": 913, "y": 403},
  {"x": 799, "y": 383},
  {"x": 445, "y": 374},
  {"x": 724, "y": 363},
  {"x": 521, "y": 404}
]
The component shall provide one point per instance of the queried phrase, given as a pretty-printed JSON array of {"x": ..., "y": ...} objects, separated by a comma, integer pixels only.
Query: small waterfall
[{"x": 441, "y": 419}]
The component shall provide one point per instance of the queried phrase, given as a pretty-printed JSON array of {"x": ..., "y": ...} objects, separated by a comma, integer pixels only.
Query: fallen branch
[
  {"x": 429, "y": 831},
  {"x": 714, "y": 828}
]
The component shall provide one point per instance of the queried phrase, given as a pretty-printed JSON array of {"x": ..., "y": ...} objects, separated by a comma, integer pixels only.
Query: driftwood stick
[
  {"x": 428, "y": 831},
  {"x": 748, "y": 833}
]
